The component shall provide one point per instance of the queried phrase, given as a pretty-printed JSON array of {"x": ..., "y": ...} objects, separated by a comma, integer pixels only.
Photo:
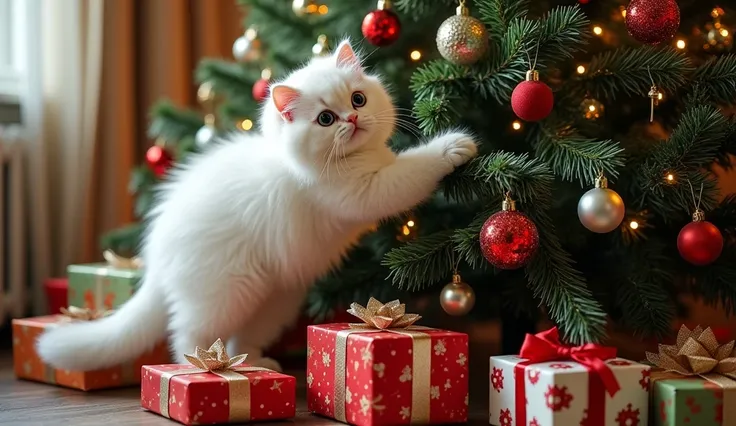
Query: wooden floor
[{"x": 24, "y": 403}]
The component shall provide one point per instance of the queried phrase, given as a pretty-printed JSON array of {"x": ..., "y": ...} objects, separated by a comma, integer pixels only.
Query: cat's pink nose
[{"x": 353, "y": 118}]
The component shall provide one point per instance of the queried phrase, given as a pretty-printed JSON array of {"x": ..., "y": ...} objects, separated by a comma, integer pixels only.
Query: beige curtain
[{"x": 104, "y": 64}]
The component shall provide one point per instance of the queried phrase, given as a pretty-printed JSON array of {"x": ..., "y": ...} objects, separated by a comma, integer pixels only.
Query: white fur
[{"x": 242, "y": 231}]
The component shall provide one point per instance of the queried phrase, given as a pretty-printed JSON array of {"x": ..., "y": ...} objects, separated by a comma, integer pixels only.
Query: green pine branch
[
  {"x": 562, "y": 288},
  {"x": 628, "y": 71},
  {"x": 421, "y": 262},
  {"x": 640, "y": 294},
  {"x": 574, "y": 157},
  {"x": 467, "y": 240},
  {"x": 437, "y": 112},
  {"x": 499, "y": 14},
  {"x": 231, "y": 79},
  {"x": 717, "y": 77},
  {"x": 124, "y": 241},
  {"x": 173, "y": 124},
  {"x": 529, "y": 179},
  {"x": 717, "y": 282},
  {"x": 418, "y": 9},
  {"x": 560, "y": 34}
]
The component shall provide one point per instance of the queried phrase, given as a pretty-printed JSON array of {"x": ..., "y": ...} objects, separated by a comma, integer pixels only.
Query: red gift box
[
  {"x": 56, "y": 294},
  {"x": 395, "y": 374},
  {"x": 214, "y": 389}
]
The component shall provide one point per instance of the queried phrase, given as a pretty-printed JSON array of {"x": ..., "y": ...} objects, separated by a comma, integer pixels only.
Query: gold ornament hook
[
  {"x": 601, "y": 181},
  {"x": 462, "y": 9},
  {"x": 508, "y": 204}
]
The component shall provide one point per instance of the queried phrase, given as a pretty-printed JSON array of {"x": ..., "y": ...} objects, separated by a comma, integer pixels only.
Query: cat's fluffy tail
[{"x": 133, "y": 329}]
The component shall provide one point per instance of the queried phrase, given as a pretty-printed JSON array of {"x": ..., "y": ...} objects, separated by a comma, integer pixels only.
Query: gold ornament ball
[
  {"x": 457, "y": 298},
  {"x": 462, "y": 39},
  {"x": 592, "y": 109}
]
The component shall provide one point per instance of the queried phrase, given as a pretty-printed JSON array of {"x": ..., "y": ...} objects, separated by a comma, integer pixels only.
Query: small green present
[
  {"x": 695, "y": 384},
  {"x": 103, "y": 286}
]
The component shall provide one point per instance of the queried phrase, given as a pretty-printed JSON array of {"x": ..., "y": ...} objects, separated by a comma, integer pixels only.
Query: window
[{"x": 9, "y": 49}]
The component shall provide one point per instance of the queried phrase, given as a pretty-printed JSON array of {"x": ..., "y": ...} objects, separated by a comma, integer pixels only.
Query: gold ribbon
[
  {"x": 215, "y": 360},
  {"x": 75, "y": 313},
  {"x": 390, "y": 317},
  {"x": 698, "y": 353},
  {"x": 121, "y": 262}
]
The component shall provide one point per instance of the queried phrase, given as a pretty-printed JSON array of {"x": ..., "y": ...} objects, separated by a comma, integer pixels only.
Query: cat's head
[{"x": 329, "y": 109}]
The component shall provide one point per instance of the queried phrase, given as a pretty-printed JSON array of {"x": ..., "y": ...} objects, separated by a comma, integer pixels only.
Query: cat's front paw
[{"x": 456, "y": 148}]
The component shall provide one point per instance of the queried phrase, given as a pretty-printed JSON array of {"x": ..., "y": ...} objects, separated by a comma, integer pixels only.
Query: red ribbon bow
[{"x": 546, "y": 346}]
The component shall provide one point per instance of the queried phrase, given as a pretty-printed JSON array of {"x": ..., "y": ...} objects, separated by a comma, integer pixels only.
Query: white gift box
[{"x": 565, "y": 393}]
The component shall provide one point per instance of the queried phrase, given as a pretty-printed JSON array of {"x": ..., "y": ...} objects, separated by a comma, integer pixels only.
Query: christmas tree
[{"x": 603, "y": 129}]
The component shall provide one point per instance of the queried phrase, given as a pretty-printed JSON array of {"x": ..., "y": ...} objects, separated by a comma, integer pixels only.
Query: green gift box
[
  {"x": 690, "y": 401},
  {"x": 695, "y": 382},
  {"x": 103, "y": 286}
]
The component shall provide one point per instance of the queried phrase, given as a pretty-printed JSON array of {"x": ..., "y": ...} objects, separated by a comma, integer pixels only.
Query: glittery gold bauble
[
  {"x": 462, "y": 39},
  {"x": 592, "y": 108},
  {"x": 457, "y": 298}
]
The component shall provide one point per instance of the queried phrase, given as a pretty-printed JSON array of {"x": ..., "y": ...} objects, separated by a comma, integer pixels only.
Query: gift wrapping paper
[
  {"x": 689, "y": 401},
  {"x": 194, "y": 396},
  {"x": 565, "y": 393},
  {"x": 28, "y": 365},
  {"x": 100, "y": 286},
  {"x": 413, "y": 375}
]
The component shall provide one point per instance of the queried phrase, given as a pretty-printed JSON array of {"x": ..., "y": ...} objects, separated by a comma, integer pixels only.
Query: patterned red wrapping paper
[
  {"x": 29, "y": 365},
  {"x": 205, "y": 397},
  {"x": 390, "y": 377}
]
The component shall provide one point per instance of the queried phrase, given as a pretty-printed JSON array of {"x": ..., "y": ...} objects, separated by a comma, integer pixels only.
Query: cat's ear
[
  {"x": 345, "y": 56},
  {"x": 284, "y": 98}
]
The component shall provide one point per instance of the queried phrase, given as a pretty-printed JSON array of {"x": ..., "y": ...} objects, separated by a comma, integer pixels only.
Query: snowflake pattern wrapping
[
  {"x": 689, "y": 402},
  {"x": 380, "y": 371},
  {"x": 559, "y": 394}
]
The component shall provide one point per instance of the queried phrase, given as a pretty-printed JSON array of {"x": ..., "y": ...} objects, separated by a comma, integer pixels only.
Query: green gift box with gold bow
[
  {"x": 103, "y": 286},
  {"x": 695, "y": 382}
]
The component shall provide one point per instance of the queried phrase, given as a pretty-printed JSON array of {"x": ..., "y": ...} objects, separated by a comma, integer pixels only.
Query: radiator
[{"x": 13, "y": 250}]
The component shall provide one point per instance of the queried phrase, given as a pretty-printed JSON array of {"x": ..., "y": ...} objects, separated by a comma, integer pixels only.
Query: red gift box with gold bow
[
  {"x": 387, "y": 370},
  {"x": 217, "y": 389},
  {"x": 553, "y": 384},
  {"x": 29, "y": 365}
]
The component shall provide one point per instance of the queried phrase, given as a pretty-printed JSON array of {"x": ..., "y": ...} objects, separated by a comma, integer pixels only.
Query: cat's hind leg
[{"x": 200, "y": 318}]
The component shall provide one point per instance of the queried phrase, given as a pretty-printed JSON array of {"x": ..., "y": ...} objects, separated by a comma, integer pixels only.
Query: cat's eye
[
  {"x": 358, "y": 99},
  {"x": 326, "y": 118}
]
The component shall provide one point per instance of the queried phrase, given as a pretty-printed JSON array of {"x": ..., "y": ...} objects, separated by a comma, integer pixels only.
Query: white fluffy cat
[{"x": 241, "y": 231}]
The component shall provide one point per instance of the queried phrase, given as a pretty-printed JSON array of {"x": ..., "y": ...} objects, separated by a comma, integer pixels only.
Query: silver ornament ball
[
  {"x": 205, "y": 136},
  {"x": 462, "y": 39},
  {"x": 601, "y": 210},
  {"x": 457, "y": 298},
  {"x": 246, "y": 48}
]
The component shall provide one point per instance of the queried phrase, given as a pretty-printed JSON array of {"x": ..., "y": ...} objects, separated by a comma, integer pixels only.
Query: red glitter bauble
[
  {"x": 700, "y": 243},
  {"x": 509, "y": 239},
  {"x": 532, "y": 100},
  {"x": 260, "y": 89},
  {"x": 652, "y": 21},
  {"x": 159, "y": 160},
  {"x": 381, "y": 27}
]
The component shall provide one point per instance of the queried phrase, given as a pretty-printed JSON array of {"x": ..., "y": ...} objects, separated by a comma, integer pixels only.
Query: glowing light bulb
[
  {"x": 597, "y": 30},
  {"x": 516, "y": 125},
  {"x": 406, "y": 230},
  {"x": 633, "y": 224},
  {"x": 246, "y": 124},
  {"x": 681, "y": 44},
  {"x": 670, "y": 178},
  {"x": 581, "y": 69},
  {"x": 415, "y": 55},
  {"x": 591, "y": 108},
  {"x": 660, "y": 96},
  {"x": 322, "y": 10},
  {"x": 724, "y": 32},
  {"x": 410, "y": 223}
]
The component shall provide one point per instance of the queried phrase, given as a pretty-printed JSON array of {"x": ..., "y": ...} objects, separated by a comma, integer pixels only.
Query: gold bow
[
  {"x": 215, "y": 358},
  {"x": 121, "y": 262},
  {"x": 382, "y": 316},
  {"x": 696, "y": 352},
  {"x": 84, "y": 314}
]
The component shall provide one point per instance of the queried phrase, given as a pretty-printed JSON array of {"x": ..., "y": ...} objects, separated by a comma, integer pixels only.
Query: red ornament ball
[
  {"x": 509, "y": 239},
  {"x": 532, "y": 100},
  {"x": 700, "y": 243},
  {"x": 260, "y": 89},
  {"x": 652, "y": 21},
  {"x": 159, "y": 160},
  {"x": 381, "y": 27}
]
